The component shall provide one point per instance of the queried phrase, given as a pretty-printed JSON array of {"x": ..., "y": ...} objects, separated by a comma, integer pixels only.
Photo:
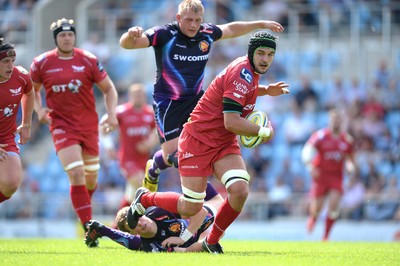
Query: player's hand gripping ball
[{"x": 259, "y": 118}]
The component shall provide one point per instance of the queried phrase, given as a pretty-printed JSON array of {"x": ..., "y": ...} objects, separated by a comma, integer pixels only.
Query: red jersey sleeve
[
  {"x": 11, "y": 92},
  {"x": 26, "y": 78},
  {"x": 36, "y": 67},
  {"x": 242, "y": 86},
  {"x": 98, "y": 71}
]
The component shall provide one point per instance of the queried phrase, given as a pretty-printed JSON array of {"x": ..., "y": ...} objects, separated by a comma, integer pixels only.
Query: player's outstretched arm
[
  {"x": 195, "y": 247},
  {"x": 134, "y": 39},
  {"x": 194, "y": 224},
  {"x": 239, "y": 28},
  {"x": 274, "y": 89}
]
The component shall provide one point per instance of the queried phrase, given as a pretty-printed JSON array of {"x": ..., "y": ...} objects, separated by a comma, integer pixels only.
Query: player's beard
[
  {"x": 337, "y": 130},
  {"x": 261, "y": 72},
  {"x": 65, "y": 47},
  {"x": 65, "y": 52}
]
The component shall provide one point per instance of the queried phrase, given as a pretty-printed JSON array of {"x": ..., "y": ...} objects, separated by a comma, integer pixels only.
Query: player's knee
[
  {"x": 74, "y": 166},
  {"x": 11, "y": 177},
  {"x": 192, "y": 201},
  {"x": 75, "y": 170},
  {"x": 189, "y": 208},
  {"x": 238, "y": 192},
  {"x": 235, "y": 175},
  {"x": 92, "y": 166},
  {"x": 92, "y": 170},
  {"x": 10, "y": 187},
  {"x": 236, "y": 181},
  {"x": 334, "y": 214}
]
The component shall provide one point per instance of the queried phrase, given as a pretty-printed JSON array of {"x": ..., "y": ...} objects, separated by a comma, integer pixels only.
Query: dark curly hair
[
  {"x": 6, "y": 49},
  {"x": 5, "y": 45}
]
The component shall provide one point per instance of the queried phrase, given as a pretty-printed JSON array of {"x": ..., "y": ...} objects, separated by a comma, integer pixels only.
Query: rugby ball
[{"x": 259, "y": 118}]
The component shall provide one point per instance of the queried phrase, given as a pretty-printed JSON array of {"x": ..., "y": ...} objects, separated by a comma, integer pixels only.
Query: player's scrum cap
[
  {"x": 6, "y": 49},
  {"x": 260, "y": 39},
  {"x": 62, "y": 25}
]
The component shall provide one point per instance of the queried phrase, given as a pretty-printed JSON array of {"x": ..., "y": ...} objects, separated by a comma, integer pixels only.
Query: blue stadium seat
[
  {"x": 393, "y": 118},
  {"x": 384, "y": 168}
]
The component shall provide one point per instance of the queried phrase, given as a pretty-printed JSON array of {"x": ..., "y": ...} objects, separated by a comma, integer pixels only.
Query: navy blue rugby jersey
[
  {"x": 180, "y": 60},
  {"x": 169, "y": 224}
]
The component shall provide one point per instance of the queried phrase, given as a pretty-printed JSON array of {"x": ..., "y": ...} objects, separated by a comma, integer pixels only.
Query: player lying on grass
[{"x": 159, "y": 230}]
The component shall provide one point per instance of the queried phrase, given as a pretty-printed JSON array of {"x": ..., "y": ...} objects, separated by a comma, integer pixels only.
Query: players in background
[
  {"x": 137, "y": 138},
  {"x": 396, "y": 236},
  {"x": 209, "y": 145},
  {"x": 68, "y": 74},
  {"x": 15, "y": 90},
  {"x": 326, "y": 154},
  {"x": 181, "y": 50}
]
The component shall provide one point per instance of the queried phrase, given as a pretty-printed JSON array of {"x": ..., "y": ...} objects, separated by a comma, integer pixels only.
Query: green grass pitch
[{"x": 42, "y": 252}]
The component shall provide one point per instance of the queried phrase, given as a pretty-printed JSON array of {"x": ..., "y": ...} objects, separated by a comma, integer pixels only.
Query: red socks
[
  {"x": 165, "y": 200},
  {"x": 328, "y": 226},
  {"x": 3, "y": 198},
  {"x": 81, "y": 201},
  {"x": 91, "y": 191},
  {"x": 225, "y": 217},
  {"x": 311, "y": 223}
]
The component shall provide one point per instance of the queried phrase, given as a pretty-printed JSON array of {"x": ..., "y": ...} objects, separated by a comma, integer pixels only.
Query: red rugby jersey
[
  {"x": 11, "y": 92},
  {"x": 331, "y": 151},
  {"x": 69, "y": 87},
  {"x": 135, "y": 125},
  {"x": 238, "y": 82}
]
